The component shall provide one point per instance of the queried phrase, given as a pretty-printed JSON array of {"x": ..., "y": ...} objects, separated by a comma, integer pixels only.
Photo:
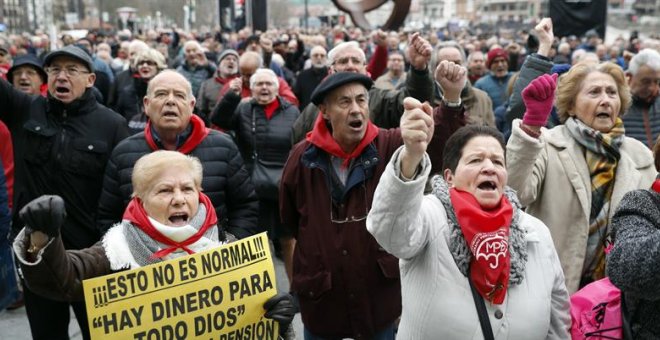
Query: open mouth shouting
[
  {"x": 179, "y": 219},
  {"x": 25, "y": 85},
  {"x": 356, "y": 124}
]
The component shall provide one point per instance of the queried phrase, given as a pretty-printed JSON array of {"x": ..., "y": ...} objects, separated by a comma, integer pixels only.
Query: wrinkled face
[
  {"x": 27, "y": 79},
  {"x": 349, "y": 60},
  {"x": 263, "y": 89},
  {"x": 499, "y": 67},
  {"x": 319, "y": 58},
  {"x": 395, "y": 63},
  {"x": 450, "y": 54},
  {"x": 146, "y": 68},
  {"x": 645, "y": 84},
  {"x": 169, "y": 104},
  {"x": 192, "y": 54},
  {"x": 347, "y": 110},
  {"x": 481, "y": 171},
  {"x": 228, "y": 66},
  {"x": 68, "y": 79},
  {"x": 598, "y": 104},
  {"x": 173, "y": 199},
  {"x": 477, "y": 64}
]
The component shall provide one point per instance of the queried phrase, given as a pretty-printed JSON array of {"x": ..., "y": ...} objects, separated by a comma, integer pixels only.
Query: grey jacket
[{"x": 633, "y": 263}]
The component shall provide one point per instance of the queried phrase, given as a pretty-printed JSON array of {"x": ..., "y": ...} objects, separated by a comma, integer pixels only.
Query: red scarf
[
  {"x": 199, "y": 132},
  {"x": 656, "y": 186},
  {"x": 136, "y": 214},
  {"x": 322, "y": 138},
  {"x": 487, "y": 235},
  {"x": 270, "y": 108}
]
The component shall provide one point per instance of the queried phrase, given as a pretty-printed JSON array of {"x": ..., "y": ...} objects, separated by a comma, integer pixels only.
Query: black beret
[
  {"x": 73, "y": 52},
  {"x": 337, "y": 80},
  {"x": 30, "y": 60}
]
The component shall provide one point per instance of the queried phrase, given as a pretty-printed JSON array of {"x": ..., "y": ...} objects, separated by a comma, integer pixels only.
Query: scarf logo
[{"x": 490, "y": 247}]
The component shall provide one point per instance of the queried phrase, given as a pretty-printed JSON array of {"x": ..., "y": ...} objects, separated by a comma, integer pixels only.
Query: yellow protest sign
[{"x": 218, "y": 294}]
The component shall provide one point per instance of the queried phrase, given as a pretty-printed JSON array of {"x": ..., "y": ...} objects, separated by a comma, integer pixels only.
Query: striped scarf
[{"x": 602, "y": 156}]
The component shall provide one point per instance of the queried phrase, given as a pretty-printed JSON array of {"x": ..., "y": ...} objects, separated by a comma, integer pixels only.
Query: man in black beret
[
  {"x": 61, "y": 145},
  {"x": 348, "y": 286}
]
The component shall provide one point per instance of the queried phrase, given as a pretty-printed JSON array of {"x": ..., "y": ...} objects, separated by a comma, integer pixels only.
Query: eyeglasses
[
  {"x": 148, "y": 62},
  {"x": 54, "y": 71},
  {"x": 336, "y": 217}
]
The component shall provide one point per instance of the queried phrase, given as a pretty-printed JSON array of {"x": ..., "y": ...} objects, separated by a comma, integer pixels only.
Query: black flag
[{"x": 575, "y": 17}]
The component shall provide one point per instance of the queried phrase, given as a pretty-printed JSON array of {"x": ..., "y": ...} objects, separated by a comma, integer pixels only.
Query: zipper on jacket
[{"x": 62, "y": 136}]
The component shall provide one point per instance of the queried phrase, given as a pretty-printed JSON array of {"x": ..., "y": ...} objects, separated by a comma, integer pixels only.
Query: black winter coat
[
  {"x": 225, "y": 181},
  {"x": 61, "y": 150}
]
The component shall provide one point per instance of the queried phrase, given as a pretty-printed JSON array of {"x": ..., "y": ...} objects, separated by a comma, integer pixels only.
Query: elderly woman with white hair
[
  {"x": 167, "y": 218},
  {"x": 262, "y": 130}
]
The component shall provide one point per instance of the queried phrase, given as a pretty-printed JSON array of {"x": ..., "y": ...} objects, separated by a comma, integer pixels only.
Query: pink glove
[{"x": 538, "y": 97}]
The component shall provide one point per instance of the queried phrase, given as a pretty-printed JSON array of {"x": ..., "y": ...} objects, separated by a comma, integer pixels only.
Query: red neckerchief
[
  {"x": 136, "y": 214},
  {"x": 199, "y": 132},
  {"x": 270, "y": 108},
  {"x": 656, "y": 185},
  {"x": 223, "y": 81},
  {"x": 487, "y": 235},
  {"x": 322, "y": 138}
]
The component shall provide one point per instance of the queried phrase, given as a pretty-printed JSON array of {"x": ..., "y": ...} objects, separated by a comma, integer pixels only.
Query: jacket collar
[
  {"x": 361, "y": 168},
  {"x": 85, "y": 104}
]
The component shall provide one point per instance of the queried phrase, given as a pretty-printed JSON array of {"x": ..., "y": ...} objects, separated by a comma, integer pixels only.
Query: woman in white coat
[
  {"x": 466, "y": 245},
  {"x": 573, "y": 176}
]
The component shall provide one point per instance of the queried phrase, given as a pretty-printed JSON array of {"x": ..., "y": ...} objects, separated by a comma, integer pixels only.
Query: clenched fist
[
  {"x": 417, "y": 131},
  {"x": 45, "y": 213}
]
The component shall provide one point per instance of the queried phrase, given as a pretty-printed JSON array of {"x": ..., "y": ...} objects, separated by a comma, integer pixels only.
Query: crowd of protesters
[{"x": 294, "y": 129}]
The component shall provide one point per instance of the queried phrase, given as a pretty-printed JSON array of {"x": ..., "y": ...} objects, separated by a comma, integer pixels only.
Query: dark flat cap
[
  {"x": 27, "y": 59},
  {"x": 337, "y": 80},
  {"x": 73, "y": 52}
]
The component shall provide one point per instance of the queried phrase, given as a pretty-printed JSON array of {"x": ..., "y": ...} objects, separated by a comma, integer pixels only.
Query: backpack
[{"x": 596, "y": 312}]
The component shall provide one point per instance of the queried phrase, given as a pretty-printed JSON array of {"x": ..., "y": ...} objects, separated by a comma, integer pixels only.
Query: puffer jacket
[
  {"x": 61, "y": 150},
  {"x": 225, "y": 180}
]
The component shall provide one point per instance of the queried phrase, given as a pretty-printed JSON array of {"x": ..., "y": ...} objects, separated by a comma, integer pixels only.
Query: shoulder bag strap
[{"x": 484, "y": 320}]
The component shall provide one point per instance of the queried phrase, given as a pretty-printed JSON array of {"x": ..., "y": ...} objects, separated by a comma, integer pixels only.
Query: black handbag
[{"x": 266, "y": 175}]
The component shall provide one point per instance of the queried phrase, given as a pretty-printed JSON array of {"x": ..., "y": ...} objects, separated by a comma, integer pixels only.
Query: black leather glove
[
  {"x": 282, "y": 309},
  {"x": 45, "y": 213}
]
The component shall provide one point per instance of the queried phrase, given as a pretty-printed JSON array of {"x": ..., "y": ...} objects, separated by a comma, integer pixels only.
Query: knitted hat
[
  {"x": 496, "y": 53},
  {"x": 227, "y": 52}
]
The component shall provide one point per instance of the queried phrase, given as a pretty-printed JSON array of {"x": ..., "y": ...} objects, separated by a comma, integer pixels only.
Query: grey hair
[
  {"x": 648, "y": 57},
  {"x": 153, "y": 55},
  {"x": 342, "y": 47},
  {"x": 192, "y": 43},
  {"x": 265, "y": 71},
  {"x": 473, "y": 54},
  {"x": 454, "y": 44},
  {"x": 250, "y": 55},
  {"x": 160, "y": 74}
]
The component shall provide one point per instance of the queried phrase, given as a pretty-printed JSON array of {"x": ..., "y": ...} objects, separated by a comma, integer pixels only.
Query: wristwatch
[{"x": 452, "y": 104}]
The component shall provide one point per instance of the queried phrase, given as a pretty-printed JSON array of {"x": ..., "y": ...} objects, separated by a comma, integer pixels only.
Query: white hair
[
  {"x": 268, "y": 72},
  {"x": 648, "y": 57},
  {"x": 342, "y": 47}
]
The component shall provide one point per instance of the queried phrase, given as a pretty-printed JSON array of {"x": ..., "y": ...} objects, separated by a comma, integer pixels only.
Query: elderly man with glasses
[
  {"x": 61, "y": 146},
  {"x": 347, "y": 285}
]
